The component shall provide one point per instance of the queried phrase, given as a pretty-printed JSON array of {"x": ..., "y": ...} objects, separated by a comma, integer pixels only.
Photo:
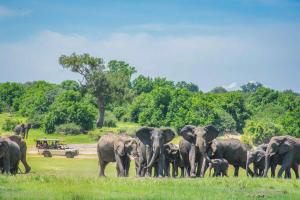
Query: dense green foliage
[{"x": 256, "y": 111}]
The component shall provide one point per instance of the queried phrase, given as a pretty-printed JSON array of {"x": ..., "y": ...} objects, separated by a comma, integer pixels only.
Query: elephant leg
[
  {"x": 273, "y": 169},
  {"x": 296, "y": 170},
  {"x": 167, "y": 169},
  {"x": 182, "y": 172},
  {"x": 148, "y": 158},
  {"x": 236, "y": 171},
  {"x": 127, "y": 165},
  {"x": 23, "y": 158},
  {"x": 161, "y": 165},
  {"x": 192, "y": 159},
  {"x": 102, "y": 167},
  {"x": 286, "y": 163},
  {"x": 204, "y": 167},
  {"x": 118, "y": 171},
  {"x": 120, "y": 164}
]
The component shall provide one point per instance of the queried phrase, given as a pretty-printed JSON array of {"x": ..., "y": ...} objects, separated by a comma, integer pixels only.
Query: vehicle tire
[
  {"x": 69, "y": 155},
  {"x": 47, "y": 154}
]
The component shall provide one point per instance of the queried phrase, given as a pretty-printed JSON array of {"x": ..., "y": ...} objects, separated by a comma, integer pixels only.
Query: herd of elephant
[{"x": 198, "y": 150}]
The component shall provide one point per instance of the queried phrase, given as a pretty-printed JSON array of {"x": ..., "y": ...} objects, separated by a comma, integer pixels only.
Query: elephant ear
[
  {"x": 4, "y": 146},
  {"x": 168, "y": 134},
  {"x": 210, "y": 133},
  {"x": 144, "y": 135},
  {"x": 285, "y": 147},
  {"x": 188, "y": 133},
  {"x": 120, "y": 148}
]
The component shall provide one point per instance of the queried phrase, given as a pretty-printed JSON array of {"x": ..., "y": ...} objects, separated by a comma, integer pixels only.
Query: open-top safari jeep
[{"x": 54, "y": 147}]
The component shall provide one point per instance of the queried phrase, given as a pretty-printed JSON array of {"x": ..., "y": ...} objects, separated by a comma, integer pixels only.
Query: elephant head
[
  {"x": 255, "y": 156},
  {"x": 127, "y": 146},
  {"x": 278, "y": 145},
  {"x": 200, "y": 136},
  {"x": 155, "y": 138},
  {"x": 4, "y": 147}
]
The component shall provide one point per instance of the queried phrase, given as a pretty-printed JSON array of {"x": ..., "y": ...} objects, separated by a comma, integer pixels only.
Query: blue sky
[{"x": 211, "y": 43}]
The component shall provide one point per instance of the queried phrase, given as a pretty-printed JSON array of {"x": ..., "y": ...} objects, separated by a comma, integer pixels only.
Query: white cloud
[
  {"x": 231, "y": 86},
  {"x": 268, "y": 55},
  {"x": 7, "y": 12}
]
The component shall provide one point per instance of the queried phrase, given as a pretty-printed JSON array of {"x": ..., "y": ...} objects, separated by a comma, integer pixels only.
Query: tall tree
[
  {"x": 251, "y": 87},
  {"x": 106, "y": 82}
]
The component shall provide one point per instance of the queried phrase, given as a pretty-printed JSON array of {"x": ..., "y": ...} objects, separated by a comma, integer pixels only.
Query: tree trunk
[{"x": 101, "y": 109}]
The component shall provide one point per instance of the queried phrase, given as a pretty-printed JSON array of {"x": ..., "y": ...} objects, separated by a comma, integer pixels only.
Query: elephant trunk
[
  {"x": 248, "y": 162},
  {"x": 267, "y": 163},
  {"x": 153, "y": 158}
]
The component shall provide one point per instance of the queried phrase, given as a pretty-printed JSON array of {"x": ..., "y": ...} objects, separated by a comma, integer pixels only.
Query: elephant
[
  {"x": 151, "y": 143},
  {"x": 288, "y": 149},
  {"x": 233, "y": 150},
  {"x": 19, "y": 129},
  {"x": 23, "y": 149},
  {"x": 173, "y": 157},
  {"x": 27, "y": 127},
  {"x": 257, "y": 157},
  {"x": 220, "y": 167},
  {"x": 116, "y": 148},
  {"x": 9, "y": 156},
  {"x": 199, "y": 139}
]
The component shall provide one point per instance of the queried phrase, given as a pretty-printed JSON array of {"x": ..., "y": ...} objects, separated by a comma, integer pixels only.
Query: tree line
[{"x": 107, "y": 92}]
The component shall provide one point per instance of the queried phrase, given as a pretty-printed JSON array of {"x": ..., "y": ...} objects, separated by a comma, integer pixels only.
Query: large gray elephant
[
  {"x": 19, "y": 129},
  {"x": 116, "y": 148},
  {"x": 288, "y": 149},
  {"x": 23, "y": 149},
  {"x": 9, "y": 156},
  {"x": 234, "y": 151},
  {"x": 173, "y": 158},
  {"x": 199, "y": 139},
  {"x": 151, "y": 149}
]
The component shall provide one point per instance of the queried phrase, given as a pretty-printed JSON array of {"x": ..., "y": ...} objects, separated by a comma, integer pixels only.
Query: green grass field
[{"x": 61, "y": 178}]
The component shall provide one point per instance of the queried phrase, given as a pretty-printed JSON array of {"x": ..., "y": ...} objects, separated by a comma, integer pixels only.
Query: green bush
[
  {"x": 10, "y": 124},
  {"x": 120, "y": 112},
  {"x": 262, "y": 130},
  {"x": 247, "y": 140},
  {"x": 70, "y": 107},
  {"x": 36, "y": 121},
  {"x": 109, "y": 119},
  {"x": 66, "y": 129}
]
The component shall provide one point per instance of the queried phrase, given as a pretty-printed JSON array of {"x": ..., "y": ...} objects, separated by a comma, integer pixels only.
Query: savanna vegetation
[
  {"x": 109, "y": 95},
  {"x": 110, "y": 98}
]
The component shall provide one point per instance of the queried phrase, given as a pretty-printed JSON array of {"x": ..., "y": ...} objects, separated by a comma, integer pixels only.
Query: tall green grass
[{"x": 61, "y": 178}]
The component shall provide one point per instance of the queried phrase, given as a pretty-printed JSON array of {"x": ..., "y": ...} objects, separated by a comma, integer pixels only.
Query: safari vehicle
[{"x": 54, "y": 147}]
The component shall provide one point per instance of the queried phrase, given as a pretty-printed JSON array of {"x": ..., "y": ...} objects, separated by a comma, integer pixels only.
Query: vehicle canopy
[{"x": 45, "y": 143}]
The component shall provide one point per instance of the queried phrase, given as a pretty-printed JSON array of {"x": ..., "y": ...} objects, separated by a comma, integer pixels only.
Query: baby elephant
[{"x": 220, "y": 167}]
